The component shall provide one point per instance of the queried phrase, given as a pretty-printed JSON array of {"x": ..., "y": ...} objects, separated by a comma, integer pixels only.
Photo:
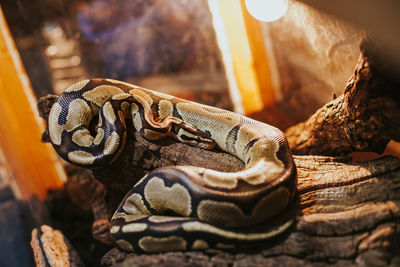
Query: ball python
[{"x": 178, "y": 207}]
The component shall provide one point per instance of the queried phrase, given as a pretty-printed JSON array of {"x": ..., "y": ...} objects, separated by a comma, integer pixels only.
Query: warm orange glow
[
  {"x": 392, "y": 149},
  {"x": 34, "y": 165},
  {"x": 247, "y": 55},
  {"x": 260, "y": 58}
]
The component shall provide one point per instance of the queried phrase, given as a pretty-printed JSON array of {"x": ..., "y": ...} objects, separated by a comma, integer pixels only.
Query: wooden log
[
  {"x": 347, "y": 214},
  {"x": 51, "y": 248},
  {"x": 365, "y": 118}
]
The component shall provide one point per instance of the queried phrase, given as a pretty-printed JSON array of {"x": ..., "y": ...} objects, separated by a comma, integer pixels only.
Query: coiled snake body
[{"x": 180, "y": 207}]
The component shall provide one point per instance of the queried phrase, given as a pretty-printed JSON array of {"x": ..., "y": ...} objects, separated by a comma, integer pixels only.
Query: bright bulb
[{"x": 267, "y": 10}]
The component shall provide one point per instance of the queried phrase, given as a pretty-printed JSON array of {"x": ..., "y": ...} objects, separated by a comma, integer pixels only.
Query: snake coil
[{"x": 180, "y": 207}]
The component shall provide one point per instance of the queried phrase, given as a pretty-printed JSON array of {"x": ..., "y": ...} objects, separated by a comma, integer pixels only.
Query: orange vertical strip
[
  {"x": 260, "y": 58},
  {"x": 249, "y": 57},
  {"x": 34, "y": 165},
  {"x": 241, "y": 54}
]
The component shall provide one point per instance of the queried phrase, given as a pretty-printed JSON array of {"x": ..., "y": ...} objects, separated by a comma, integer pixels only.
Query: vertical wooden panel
[{"x": 34, "y": 165}]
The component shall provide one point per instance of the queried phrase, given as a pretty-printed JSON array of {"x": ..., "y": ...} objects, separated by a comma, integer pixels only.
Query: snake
[{"x": 178, "y": 208}]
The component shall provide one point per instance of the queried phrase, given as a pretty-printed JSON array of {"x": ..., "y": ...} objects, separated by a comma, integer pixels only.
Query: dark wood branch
[
  {"x": 365, "y": 118},
  {"x": 343, "y": 218},
  {"x": 347, "y": 213}
]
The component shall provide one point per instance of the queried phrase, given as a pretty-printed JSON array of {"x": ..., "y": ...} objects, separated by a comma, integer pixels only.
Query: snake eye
[{"x": 207, "y": 133}]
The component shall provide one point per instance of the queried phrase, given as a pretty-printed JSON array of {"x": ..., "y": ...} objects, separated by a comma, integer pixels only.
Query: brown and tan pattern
[{"x": 183, "y": 207}]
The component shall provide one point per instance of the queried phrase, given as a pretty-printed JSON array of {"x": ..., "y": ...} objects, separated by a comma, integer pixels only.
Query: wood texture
[
  {"x": 51, "y": 248},
  {"x": 365, "y": 118},
  {"x": 347, "y": 213}
]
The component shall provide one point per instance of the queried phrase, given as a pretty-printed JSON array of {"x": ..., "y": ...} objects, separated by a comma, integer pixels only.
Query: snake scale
[{"x": 178, "y": 207}]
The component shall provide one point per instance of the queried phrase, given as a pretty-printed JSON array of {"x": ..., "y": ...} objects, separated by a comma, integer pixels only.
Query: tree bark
[
  {"x": 346, "y": 213},
  {"x": 51, "y": 248},
  {"x": 365, "y": 118}
]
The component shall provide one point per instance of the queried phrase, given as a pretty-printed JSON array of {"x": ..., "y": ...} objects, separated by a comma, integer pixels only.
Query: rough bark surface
[
  {"x": 51, "y": 248},
  {"x": 365, "y": 118},
  {"x": 347, "y": 213}
]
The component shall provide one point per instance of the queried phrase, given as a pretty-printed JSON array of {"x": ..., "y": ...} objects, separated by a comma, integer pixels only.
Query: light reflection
[{"x": 267, "y": 10}]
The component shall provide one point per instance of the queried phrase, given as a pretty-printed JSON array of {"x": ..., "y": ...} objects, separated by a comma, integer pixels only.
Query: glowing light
[{"x": 267, "y": 10}]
